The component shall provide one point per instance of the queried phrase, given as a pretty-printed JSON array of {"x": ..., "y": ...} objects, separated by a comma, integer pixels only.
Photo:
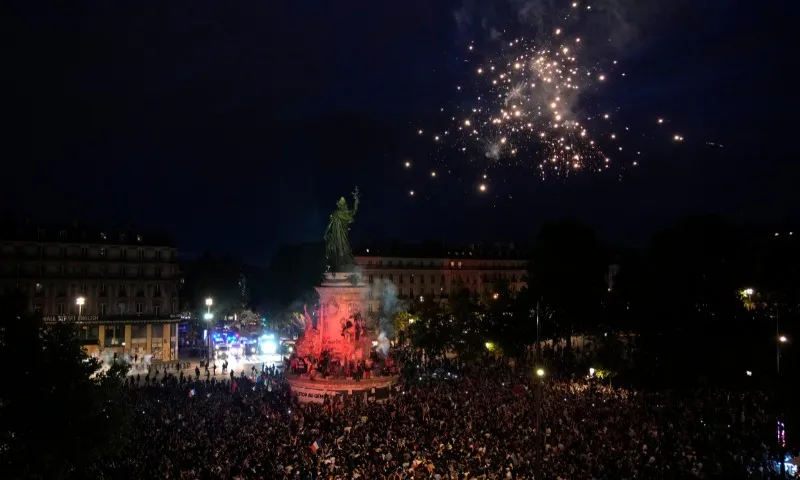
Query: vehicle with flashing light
[
  {"x": 267, "y": 344},
  {"x": 221, "y": 352}
]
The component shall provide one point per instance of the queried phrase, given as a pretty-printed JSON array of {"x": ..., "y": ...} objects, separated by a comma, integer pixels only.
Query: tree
[
  {"x": 567, "y": 274},
  {"x": 58, "y": 411}
]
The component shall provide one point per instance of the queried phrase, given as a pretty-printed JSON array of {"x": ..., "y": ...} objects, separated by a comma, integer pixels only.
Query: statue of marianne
[{"x": 337, "y": 244}]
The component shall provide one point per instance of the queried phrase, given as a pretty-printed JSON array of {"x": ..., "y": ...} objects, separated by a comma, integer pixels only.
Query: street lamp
[
  {"x": 538, "y": 400},
  {"x": 783, "y": 339},
  {"x": 208, "y": 316},
  {"x": 79, "y": 302},
  {"x": 209, "y": 302}
]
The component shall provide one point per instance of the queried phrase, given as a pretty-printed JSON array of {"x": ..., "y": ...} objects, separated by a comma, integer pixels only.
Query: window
[
  {"x": 141, "y": 254},
  {"x": 122, "y": 292},
  {"x": 84, "y": 289},
  {"x": 123, "y": 254},
  {"x": 401, "y": 279},
  {"x": 411, "y": 280},
  {"x": 84, "y": 251},
  {"x": 40, "y": 234},
  {"x": 370, "y": 278},
  {"x": 459, "y": 264},
  {"x": 103, "y": 309},
  {"x": 157, "y": 309},
  {"x": 103, "y": 252},
  {"x": 39, "y": 288},
  {"x": 102, "y": 288},
  {"x": 62, "y": 234},
  {"x": 140, "y": 271},
  {"x": 157, "y": 290},
  {"x": 63, "y": 270},
  {"x": 37, "y": 308},
  {"x": 139, "y": 307},
  {"x": 61, "y": 308},
  {"x": 174, "y": 305},
  {"x": 122, "y": 271},
  {"x": 121, "y": 307},
  {"x": 62, "y": 251},
  {"x": 138, "y": 238},
  {"x": 115, "y": 335},
  {"x": 452, "y": 264},
  {"x": 158, "y": 254},
  {"x": 121, "y": 237},
  {"x": 158, "y": 272},
  {"x": 86, "y": 332}
]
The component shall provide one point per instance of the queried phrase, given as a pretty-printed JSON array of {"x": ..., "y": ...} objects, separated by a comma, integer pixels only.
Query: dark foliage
[{"x": 57, "y": 412}]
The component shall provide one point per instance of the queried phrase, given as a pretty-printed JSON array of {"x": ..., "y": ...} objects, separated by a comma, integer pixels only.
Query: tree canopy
[{"x": 58, "y": 411}]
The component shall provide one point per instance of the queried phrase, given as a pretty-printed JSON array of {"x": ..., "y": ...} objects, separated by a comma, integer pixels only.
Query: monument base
[{"x": 308, "y": 390}]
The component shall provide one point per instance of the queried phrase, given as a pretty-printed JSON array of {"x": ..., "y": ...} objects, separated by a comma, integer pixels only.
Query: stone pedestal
[{"x": 341, "y": 297}]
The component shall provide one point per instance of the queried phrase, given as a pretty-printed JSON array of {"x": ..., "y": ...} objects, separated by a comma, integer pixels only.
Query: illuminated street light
[
  {"x": 79, "y": 302},
  {"x": 496, "y": 296},
  {"x": 591, "y": 372},
  {"x": 208, "y": 316},
  {"x": 783, "y": 339},
  {"x": 410, "y": 321},
  {"x": 749, "y": 373},
  {"x": 540, "y": 372},
  {"x": 748, "y": 291}
]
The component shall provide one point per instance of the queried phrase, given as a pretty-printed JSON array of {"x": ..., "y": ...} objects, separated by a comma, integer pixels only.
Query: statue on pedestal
[{"x": 337, "y": 244}]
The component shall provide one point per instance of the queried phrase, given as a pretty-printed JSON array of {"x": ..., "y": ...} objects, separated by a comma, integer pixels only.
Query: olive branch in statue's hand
[{"x": 356, "y": 194}]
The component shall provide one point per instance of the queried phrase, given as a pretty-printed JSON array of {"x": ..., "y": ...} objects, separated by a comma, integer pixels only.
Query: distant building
[
  {"x": 128, "y": 282},
  {"x": 435, "y": 272}
]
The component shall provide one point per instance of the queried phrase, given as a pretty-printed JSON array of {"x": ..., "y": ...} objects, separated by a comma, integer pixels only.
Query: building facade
[
  {"x": 438, "y": 272},
  {"x": 120, "y": 288}
]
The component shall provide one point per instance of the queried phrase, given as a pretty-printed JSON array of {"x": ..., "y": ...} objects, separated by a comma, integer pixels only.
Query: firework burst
[{"x": 525, "y": 104}]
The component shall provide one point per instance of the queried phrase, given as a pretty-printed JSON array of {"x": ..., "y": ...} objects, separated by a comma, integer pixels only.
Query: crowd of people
[{"x": 442, "y": 422}]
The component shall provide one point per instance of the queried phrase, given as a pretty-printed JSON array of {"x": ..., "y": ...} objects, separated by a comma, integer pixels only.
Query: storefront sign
[{"x": 70, "y": 318}]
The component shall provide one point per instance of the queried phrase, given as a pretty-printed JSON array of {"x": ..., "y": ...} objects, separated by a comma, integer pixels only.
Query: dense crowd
[{"x": 452, "y": 423}]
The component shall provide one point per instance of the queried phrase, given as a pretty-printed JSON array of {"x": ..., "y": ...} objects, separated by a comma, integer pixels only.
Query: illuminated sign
[{"x": 71, "y": 318}]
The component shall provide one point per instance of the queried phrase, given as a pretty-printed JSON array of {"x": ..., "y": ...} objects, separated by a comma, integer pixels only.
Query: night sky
[{"x": 236, "y": 125}]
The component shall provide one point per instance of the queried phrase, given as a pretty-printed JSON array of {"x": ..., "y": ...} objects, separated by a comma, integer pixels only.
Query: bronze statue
[{"x": 337, "y": 244}]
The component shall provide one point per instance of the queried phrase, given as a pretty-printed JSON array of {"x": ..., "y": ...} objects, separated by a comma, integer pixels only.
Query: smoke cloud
[
  {"x": 609, "y": 24},
  {"x": 386, "y": 291}
]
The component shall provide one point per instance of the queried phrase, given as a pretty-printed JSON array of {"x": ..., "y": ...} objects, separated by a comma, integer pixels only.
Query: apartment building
[{"x": 120, "y": 287}]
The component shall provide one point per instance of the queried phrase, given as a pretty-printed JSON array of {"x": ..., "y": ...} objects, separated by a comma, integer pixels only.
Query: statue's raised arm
[{"x": 356, "y": 198}]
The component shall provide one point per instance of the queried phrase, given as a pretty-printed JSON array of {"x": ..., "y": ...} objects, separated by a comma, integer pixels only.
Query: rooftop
[
  {"x": 26, "y": 231},
  {"x": 432, "y": 250}
]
